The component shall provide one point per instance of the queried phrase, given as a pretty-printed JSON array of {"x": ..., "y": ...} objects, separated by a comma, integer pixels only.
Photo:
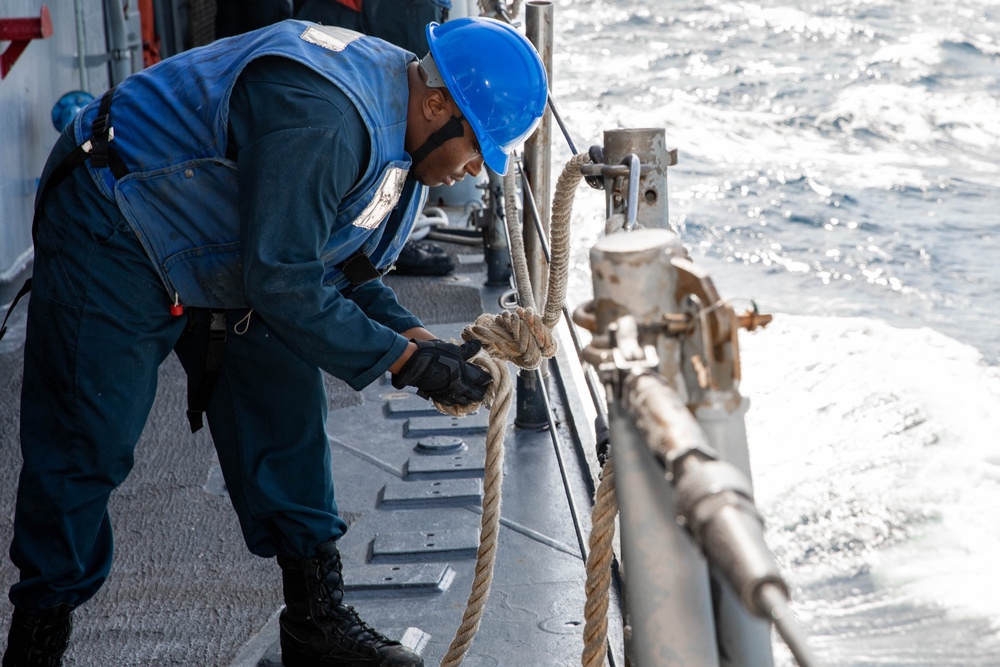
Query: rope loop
[{"x": 519, "y": 336}]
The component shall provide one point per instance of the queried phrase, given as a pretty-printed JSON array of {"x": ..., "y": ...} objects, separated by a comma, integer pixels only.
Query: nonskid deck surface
[
  {"x": 410, "y": 480},
  {"x": 184, "y": 590}
]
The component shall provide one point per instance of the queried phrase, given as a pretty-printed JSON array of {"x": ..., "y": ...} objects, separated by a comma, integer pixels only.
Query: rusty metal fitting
[
  {"x": 676, "y": 324},
  {"x": 585, "y": 316},
  {"x": 753, "y": 319}
]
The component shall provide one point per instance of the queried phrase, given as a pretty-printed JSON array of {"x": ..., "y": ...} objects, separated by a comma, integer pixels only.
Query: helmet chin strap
[{"x": 450, "y": 130}]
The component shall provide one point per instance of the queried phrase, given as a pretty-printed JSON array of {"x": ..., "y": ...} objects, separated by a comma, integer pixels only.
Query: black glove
[{"x": 440, "y": 371}]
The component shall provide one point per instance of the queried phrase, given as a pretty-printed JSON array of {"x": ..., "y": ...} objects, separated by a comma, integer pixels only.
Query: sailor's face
[{"x": 452, "y": 160}]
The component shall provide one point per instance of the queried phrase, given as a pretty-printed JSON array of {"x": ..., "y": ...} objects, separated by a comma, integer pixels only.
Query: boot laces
[
  {"x": 344, "y": 618},
  {"x": 44, "y": 639}
]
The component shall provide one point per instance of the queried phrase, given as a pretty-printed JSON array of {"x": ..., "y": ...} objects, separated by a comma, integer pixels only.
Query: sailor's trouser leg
[
  {"x": 98, "y": 327},
  {"x": 267, "y": 416}
]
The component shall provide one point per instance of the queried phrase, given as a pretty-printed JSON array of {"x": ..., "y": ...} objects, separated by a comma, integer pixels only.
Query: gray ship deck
[{"x": 185, "y": 591}]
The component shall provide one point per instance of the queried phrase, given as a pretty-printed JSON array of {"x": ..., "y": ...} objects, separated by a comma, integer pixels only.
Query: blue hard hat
[{"x": 496, "y": 78}]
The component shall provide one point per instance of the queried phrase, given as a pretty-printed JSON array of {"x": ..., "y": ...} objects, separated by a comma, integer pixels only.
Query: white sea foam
[{"x": 876, "y": 449}]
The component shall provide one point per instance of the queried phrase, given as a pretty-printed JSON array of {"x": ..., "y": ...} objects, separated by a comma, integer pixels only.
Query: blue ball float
[{"x": 68, "y": 106}]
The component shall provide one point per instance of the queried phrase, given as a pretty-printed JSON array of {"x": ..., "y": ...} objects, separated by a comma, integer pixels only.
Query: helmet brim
[{"x": 494, "y": 157}]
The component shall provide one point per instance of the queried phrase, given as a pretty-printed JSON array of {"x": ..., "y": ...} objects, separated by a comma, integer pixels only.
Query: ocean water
[{"x": 839, "y": 165}]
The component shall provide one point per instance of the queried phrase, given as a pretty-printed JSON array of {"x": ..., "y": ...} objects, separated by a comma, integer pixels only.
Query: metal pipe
[
  {"x": 635, "y": 279},
  {"x": 774, "y": 600},
  {"x": 530, "y": 410},
  {"x": 593, "y": 383},
  {"x": 121, "y": 65},
  {"x": 667, "y": 596},
  {"x": 714, "y": 502},
  {"x": 81, "y": 44},
  {"x": 649, "y": 144},
  {"x": 537, "y": 149},
  {"x": 667, "y": 593}
]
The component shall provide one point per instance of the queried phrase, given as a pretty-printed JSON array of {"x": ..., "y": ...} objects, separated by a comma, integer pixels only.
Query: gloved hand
[{"x": 440, "y": 371}]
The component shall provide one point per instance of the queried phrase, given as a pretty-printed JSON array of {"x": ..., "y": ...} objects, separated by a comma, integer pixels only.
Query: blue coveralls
[{"x": 299, "y": 145}]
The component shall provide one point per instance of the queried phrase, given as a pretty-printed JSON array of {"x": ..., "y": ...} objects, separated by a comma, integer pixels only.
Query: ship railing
[
  {"x": 700, "y": 585},
  {"x": 662, "y": 368}
]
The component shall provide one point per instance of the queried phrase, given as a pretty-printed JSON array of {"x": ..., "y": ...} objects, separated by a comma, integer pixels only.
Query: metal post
[
  {"x": 497, "y": 250},
  {"x": 650, "y": 145},
  {"x": 81, "y": 45},
  {"x": 667, "y": 594},
  {"x": 645, "y": 287},
  {"x": 538, "y": 150},
  {"x": 744, "y": 638},
  {"x": 646, "y": 275},
  {"x": 709, "y": 371},
  {"x": 530, "y": 402}
]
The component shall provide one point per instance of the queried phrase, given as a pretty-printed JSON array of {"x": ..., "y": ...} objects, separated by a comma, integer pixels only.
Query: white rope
[
  {"x": 602, "y": 536},
  {"x": 524, "y": 338},
  {"x": 499, "y": 398}
]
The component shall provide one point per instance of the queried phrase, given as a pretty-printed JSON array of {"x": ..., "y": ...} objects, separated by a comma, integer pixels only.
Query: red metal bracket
[{"x": 19, "y": 32}]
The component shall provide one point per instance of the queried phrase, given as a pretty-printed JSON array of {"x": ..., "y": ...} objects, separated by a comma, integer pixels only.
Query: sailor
[{"x": 237, "y": 204}]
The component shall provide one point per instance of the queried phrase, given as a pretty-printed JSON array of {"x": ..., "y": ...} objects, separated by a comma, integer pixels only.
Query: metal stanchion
[{"x": 530, "y": 402}]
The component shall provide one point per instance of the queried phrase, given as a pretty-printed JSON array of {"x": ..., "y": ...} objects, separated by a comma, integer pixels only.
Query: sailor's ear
[{"x": 435, "y": 104}]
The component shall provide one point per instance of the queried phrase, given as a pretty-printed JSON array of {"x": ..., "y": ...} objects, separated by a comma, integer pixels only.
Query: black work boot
[
  {"x": 318, "y": 629},
  {"x": 38, "y": 641},
  {"x": 423, "y": 258}
]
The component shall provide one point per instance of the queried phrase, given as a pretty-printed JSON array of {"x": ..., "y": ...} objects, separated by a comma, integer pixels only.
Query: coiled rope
[{"x": 524, "y": 337}]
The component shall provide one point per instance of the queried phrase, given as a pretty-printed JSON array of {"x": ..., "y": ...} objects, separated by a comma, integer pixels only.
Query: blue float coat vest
[{"x": 181, "y": 193}]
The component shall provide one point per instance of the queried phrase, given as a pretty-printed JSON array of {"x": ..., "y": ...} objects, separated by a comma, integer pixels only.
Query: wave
[
  {"x": 877, "y": 470},
  {"x": 874, "y": 453}
]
